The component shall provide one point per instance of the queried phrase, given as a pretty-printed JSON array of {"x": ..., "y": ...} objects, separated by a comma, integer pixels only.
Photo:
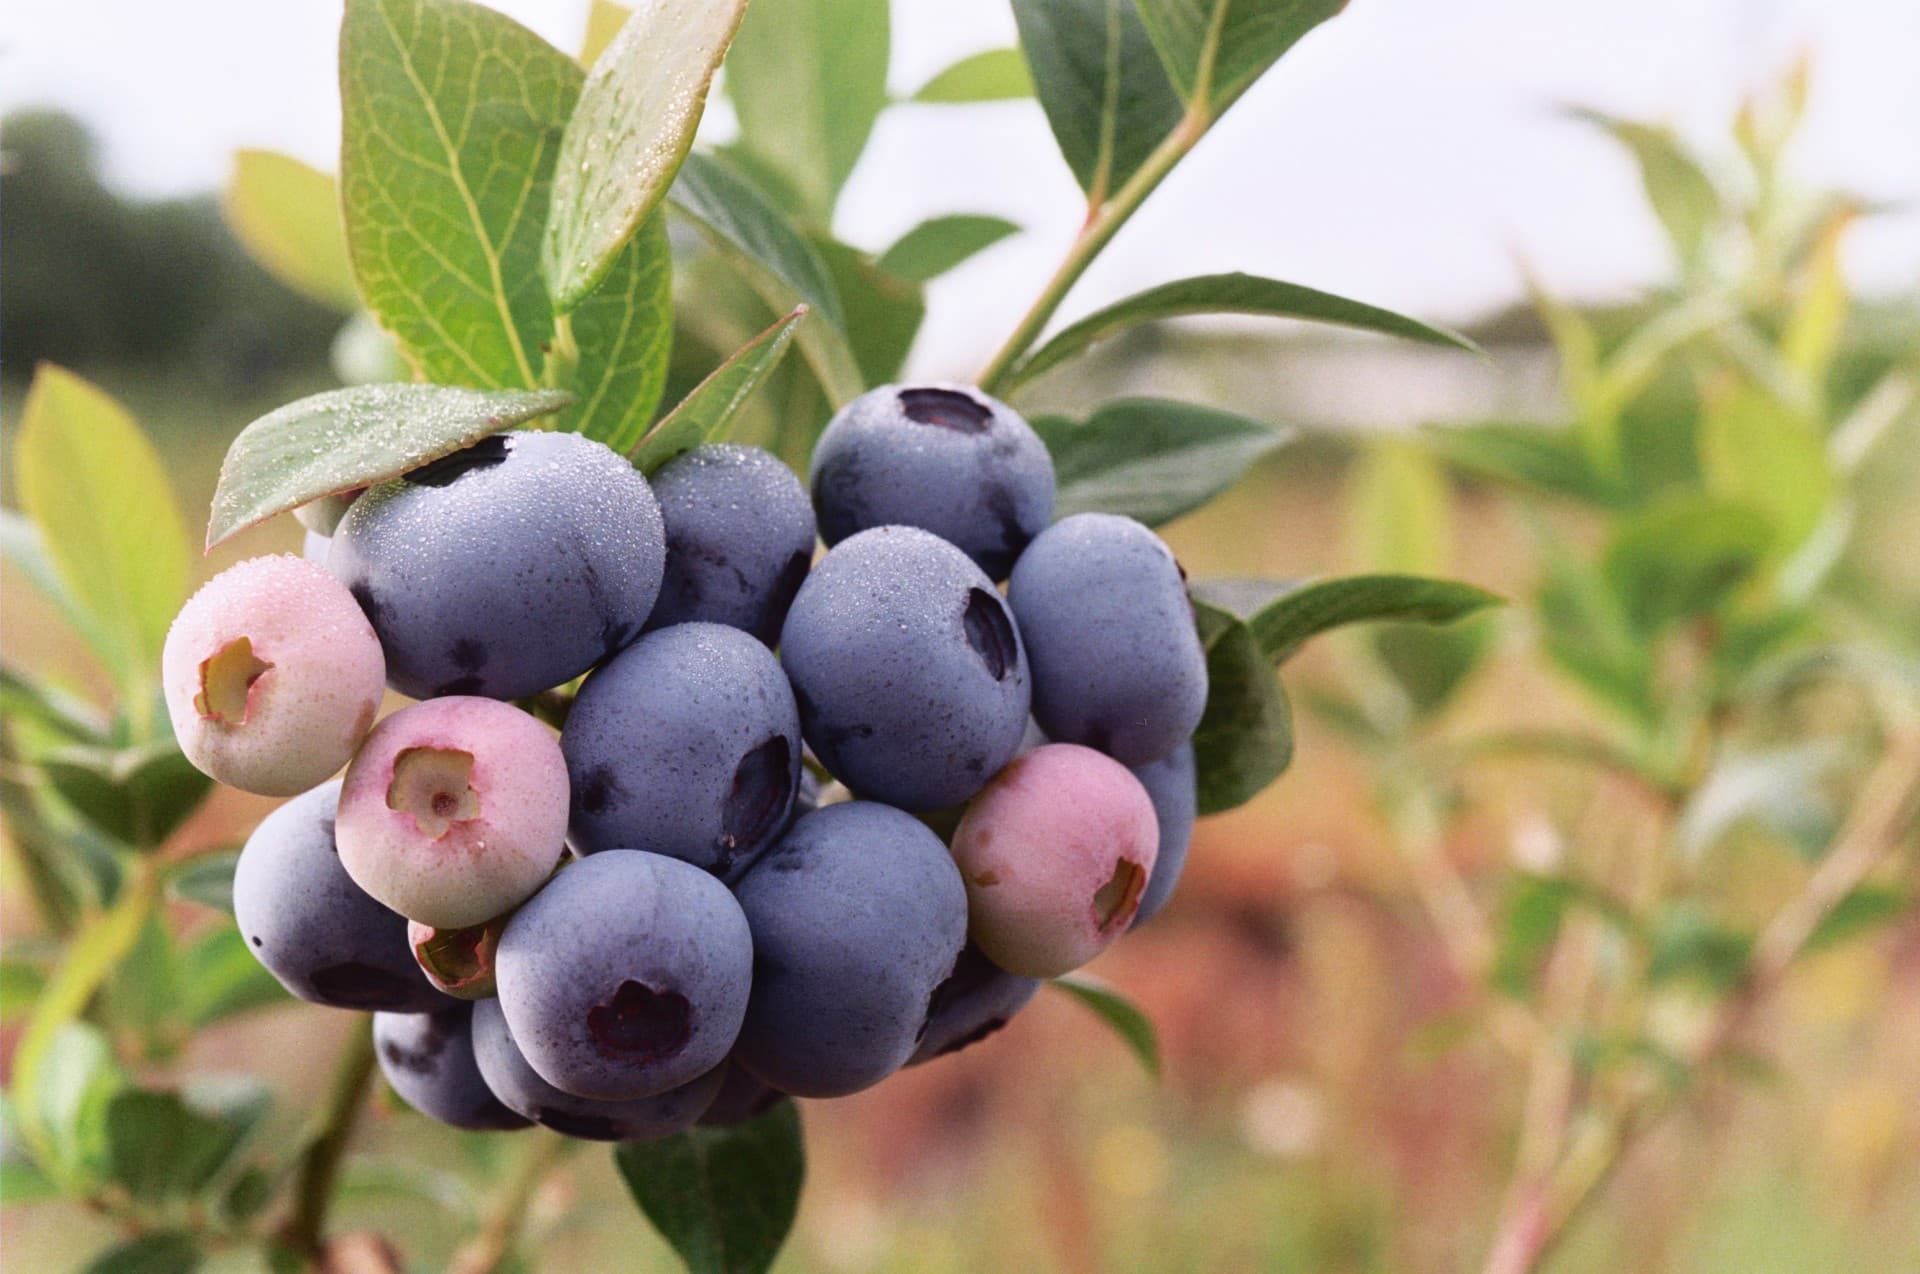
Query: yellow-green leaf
[
  {"x": 604, "y": 20},
  {"x": 97, "y": 491},
  {"x": 451, "y": 119},
  {"x": 626, "y": 139},
  {"x": 994, "y": 75},
  {"x": 287, "y": 216},
  {"x": 622, "y": 335}
]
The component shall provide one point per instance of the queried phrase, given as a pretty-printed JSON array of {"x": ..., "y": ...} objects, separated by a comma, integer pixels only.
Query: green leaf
[
  {"x": 287, "y": 216},
  {"x": 1226, "y": 294},
  {"x": 1530, "y": 921},
  {"x": 938, "y": 244},
  {"x": 808, "y": 78},
  {"x": 136, "y": 795},
  {"x": 50, "y": 708},
  {"x": 1688, "y": 945},
  {"x": 220, "y": 977},
  {"x": 1587, "y": 634},
  {"x": 97, "y": 490},
  {"x": 1782, "y": 791},
  {"x": 1682, "y": 559},
  {"x": 1245, "y": 738},
  {"x": 1133, "y": 1027},
  {"x": 1865, "y": 909},
  {"x": 1756, "y": 452},
  {"x": 1286, "y": 623},
  {"x": 993, "y": 75},
  {"x": 21, "y": 1180},
  {"x": 604, "y": 21},
  {"x": 1428, "y": 664},
  {"x": 64, "y": 1115},
  {"x": 167, "y": 1145},
  {"x": 344, "y": 439},
  {"x": 1533, "y": 457},
  {"x": 625, "y": 139},
  {"x": 703, "y": 415},
  {"x": 206, "y": 879},
  {"x": 166, "y": 1252},
  {"x": 743, "y": 219},
  {"x": 883, "y": 310},
  {"x": 1682, "y": 194},
  {"x": 1104, "y": 92},
  {"x": 1228, "y": 43},
  {"x": 21, "y": 982},
  {"x": 723, "y": 1197},
  {"x": 1151, "y": 459},
  {"x": 22, "y": 544},
  {"x": 622, "y": 335},
  {"x": 142, "y": 997},
  {"x": 451, "y": 119},
  {"x": 1399, "y": 511}
]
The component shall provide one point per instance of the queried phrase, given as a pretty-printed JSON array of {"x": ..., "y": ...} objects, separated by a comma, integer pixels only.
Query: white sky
[{"x": 1404, "y": 154}]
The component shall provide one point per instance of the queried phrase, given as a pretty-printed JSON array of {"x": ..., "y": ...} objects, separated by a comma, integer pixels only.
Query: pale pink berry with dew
[
  {"x": 454, "y": 811},
  {"x": 1055, "y": 852},
  {"x": 272, "y": 676}
]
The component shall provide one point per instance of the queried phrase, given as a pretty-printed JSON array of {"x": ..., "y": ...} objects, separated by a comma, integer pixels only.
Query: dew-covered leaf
[
  {"x": 1228, "y": 294},
  {"x": 1152, "y": 459},
  {"x": 451, "y": 120},
  {"x": 627, "y": 136},
  {"x": 344, "y": 439},
  {"x": 703, "y": 415},
  {"x": 731, "y": 209},
  {"x": 622, "y": 337}
]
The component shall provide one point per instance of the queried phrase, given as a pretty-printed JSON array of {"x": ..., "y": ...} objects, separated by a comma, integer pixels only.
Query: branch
[
  {"x": 493, "y": 1245},
  {"x": 333, "y": 1127}
]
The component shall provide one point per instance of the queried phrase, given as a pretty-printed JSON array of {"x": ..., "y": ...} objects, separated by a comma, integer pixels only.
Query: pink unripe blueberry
[
  {"x": 454, "y": 811},
  {"x": 272, "y": 676},
  {"x": 459, "y": 962},
  {"x": 1055, "y": 852}
]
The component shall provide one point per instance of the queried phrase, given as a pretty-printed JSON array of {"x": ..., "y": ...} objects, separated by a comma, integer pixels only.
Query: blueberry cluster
[{"x": 721, "y": 882}]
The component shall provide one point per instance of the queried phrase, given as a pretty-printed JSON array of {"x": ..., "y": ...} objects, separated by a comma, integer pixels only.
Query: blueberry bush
[{"x": 779, "y": 725}]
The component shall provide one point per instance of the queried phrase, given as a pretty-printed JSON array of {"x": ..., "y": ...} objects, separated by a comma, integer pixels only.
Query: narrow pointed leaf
[
  {"x": 1285, "y": 623},
  {"x": 993, "y": 75},
  {"x": 1151, "y": 459},
  {"x": 451, "y": 120},
  {"x": 623, "y": 335},
  {"x": 628, "y": 135},
  {"x": 725, "y": 1198},
  {"x": 344, "y": 439},
  {"x": 1104, "y": 92},
  {"x": 728, "y": 206},
  {"x": 1228, "y": 294},
  {"x": 1245, "y": 738},
  {"x": 938, "y": 244},
  {"x": 98, "y": 494},
  {"x": 1234, "y": 48},
  {"x": 1682, "y": 195},
  {"x": 703, "y": 415},
  {"x": 808, "y": 78},
  {"x": 1120, "y": 1013},
  {"x": 604, "y": 20},
  {"x": 287, "y": 215}
]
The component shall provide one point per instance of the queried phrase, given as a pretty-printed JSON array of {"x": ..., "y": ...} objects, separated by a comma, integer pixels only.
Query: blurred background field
[{"x": 1326, "y": 1105}]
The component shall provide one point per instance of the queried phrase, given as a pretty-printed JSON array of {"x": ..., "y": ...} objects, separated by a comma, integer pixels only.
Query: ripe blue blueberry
[
  {"x": 1170, "y": 784},
  {"x": 626, "y": 976},
  {"x": 946, "y": 458},
  {"x": 977, "y": 999},
  {"x": 505, "y": 569},
  {"x": 521, "y": 1090},
  {"x": 1117, "y": 664},
  {"x": 908, "y": 669},
  {"x": 428, "y": 1059},
  {"x": 739, "y": 539},
  {"x": 858, "y": 914},
  {"x": 686, "y": 743},
  {"x": 312, "y": 927}
]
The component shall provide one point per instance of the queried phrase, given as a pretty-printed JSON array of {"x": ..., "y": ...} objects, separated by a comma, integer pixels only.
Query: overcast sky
[{"x": 1405, "y": 154}]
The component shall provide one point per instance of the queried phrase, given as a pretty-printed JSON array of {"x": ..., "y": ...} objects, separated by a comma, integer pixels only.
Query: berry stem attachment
[{"x": 1001, "y": 369}]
